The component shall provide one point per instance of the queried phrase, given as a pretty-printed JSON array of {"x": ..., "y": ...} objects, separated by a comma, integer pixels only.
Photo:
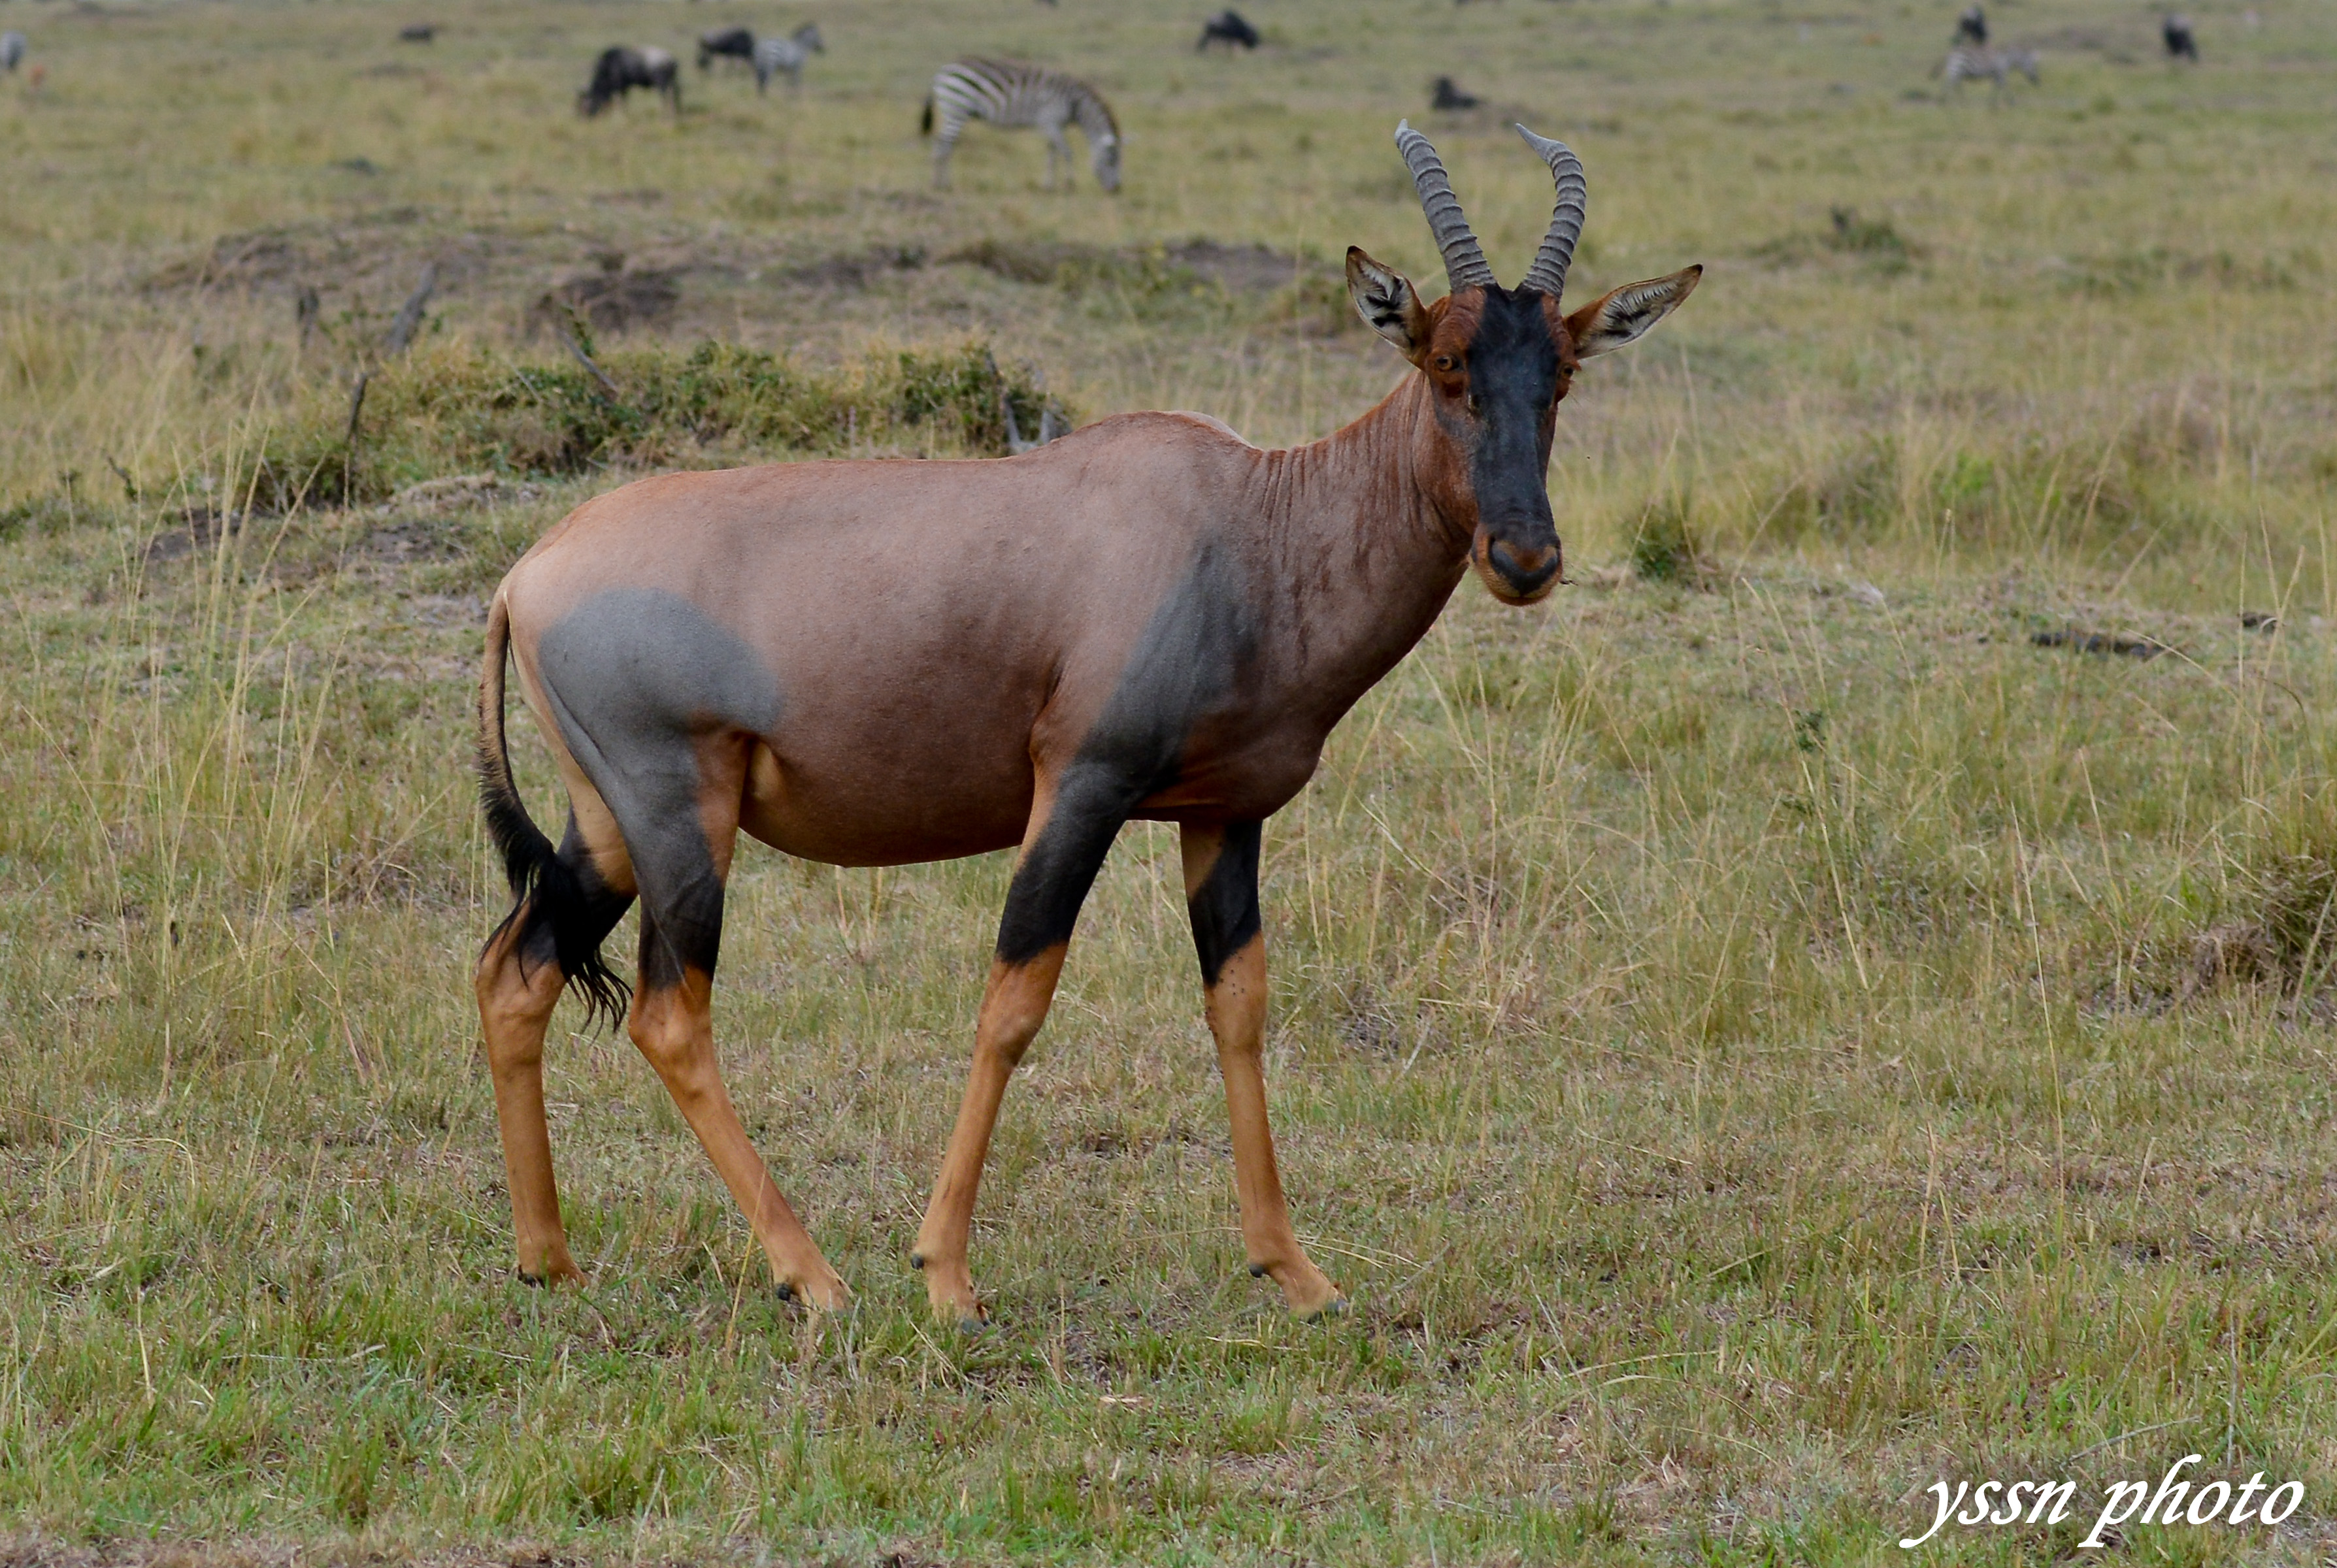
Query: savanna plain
[{"x": 1840, "y": 997}]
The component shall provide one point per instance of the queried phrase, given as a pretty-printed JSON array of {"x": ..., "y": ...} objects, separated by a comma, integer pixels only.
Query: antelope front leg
[
  {"x": 1072, "y": 829},
  {"x": 1221, "y": 897},
  {"x": 1013, "y": 1006}
]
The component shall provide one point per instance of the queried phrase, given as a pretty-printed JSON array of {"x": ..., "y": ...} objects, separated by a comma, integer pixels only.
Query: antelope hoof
[
  {"x": 949, "y": 1290},
  {"x": 556, "y": 1269},
  {"x": 1309, "y": 1292},
  {"x": 822, "y": 1292}
]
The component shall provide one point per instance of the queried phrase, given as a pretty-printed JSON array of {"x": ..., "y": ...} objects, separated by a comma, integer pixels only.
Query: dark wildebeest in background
[
  {"x": 1449, "y": 97},
  {"x": 12, "y": 50},
  {"x": 726, "y": 43},
  {"x": 1227, "y": 28},
  {"x": 1971, "y": 27},
  {"x": 2181, "y": 43},
  {"x": 621, "y": 69},
  {"x": 417, "y": 33}
]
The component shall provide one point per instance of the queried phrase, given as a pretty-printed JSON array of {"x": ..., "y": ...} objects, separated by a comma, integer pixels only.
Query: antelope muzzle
[{"x": 1519, "y": 572}]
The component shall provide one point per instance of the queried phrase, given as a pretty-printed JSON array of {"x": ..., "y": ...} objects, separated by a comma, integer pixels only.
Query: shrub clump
[
  {"x": 1665, "y": 547},
  {"x": 463, "y": 409}
]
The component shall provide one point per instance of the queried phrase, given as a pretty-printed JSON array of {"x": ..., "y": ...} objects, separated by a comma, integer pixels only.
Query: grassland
[{"x": 1758, "y": 1034}]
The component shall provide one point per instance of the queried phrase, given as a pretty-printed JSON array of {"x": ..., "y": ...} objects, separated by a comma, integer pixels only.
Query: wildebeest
[
  {"x": 621, "y": 69},
  {"x": 1971, "y": 27},
  {"x": 1227, "y": 28},
  {"x": 725, "y": 43},
  {"x": 2181, "y": 43},
  {"x": 879, "y": 663},
  {"x": 12, "y": 50},
  {"x": 1447, "y": 96},
  {"x": 417, "y": 33}
]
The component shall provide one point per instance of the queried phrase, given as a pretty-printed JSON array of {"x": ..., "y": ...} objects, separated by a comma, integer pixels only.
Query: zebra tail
[{"x": 925, "y": 124}]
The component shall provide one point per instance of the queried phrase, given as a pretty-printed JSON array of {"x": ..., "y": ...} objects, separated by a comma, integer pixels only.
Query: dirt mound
[
  {"x": 613, "y": 300},
  {"x": 1237, "y": 269},
  {"x": 855, "y": 268},
  {"x": 1066, "y": 264}
]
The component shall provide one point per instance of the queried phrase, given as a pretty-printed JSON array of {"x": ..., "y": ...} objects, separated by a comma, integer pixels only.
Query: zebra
[
  {"x": 773, "y": 55},
  {"x": 1008, "y": 94},
  {"x": 1966, "y": 62},
  {"x": 12, "y": 50},
  {"x": 618, "y": 71}
]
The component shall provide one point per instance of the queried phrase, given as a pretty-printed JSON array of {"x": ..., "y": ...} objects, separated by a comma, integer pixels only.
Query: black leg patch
[
  {"x": 1224, "y": 910},
  {"x": 681, "y": 928},
  {"x": 1053, "y": 881},
  {"x": 1192, "y": 658}
]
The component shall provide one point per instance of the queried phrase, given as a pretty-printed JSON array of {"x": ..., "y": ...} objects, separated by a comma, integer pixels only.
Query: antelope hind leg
[
  {"x": 1221, "y": 898},
  {"x": 672, "y": 1018},
  {"x": 518, "y": 983}
]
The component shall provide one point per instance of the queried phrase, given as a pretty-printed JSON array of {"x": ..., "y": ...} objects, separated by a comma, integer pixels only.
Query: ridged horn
[
  {"x": 1547, "y": 273},
  {"x": 1464, "y": 262}
]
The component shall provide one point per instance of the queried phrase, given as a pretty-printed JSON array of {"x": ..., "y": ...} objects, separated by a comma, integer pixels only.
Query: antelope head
[{"x": 1497, "y": 362}]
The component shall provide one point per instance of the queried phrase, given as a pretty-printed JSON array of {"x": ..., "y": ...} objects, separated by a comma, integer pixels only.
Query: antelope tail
[{"x": 548, "y": 896}]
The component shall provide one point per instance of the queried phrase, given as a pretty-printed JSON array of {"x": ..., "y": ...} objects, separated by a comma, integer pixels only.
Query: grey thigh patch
[{"x": 634, "y": 677}]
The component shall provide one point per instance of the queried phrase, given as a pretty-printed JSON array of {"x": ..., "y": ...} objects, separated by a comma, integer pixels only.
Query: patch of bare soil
[
  {"x": 2107, "y": 644},
  {"x": 1237, "y": 269},
  {"x": 854, "y": 269},
  {"x": 614, "y": 299}
]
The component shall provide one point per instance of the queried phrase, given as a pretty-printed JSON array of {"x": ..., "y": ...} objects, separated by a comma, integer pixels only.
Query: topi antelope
[{"x": 874, "y": 662}]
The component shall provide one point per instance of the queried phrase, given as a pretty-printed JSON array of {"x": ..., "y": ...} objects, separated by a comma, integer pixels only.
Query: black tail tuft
[
  {"x": 925, "y": 125},
  {"x": 549, "y": 896}
]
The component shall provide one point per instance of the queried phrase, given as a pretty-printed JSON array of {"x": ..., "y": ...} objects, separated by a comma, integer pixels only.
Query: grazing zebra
[
  {"x": 727, "y": 43},
  {"x": 12, "y": 50},
  {"x": 1009, "y": 95},
  {"x": 1966, "y": 64},
  {"x": 2181, "y": 43},
  {"x": 621, "y": 70},
  {"x": 1228, "y": 27},
  {"x": 773, "y": 55}
]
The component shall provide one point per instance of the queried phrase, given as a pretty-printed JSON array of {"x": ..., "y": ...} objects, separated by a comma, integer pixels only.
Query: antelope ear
[
  {"x": 1623, "y": 315},
  {"x": 1388, "y": 304}
]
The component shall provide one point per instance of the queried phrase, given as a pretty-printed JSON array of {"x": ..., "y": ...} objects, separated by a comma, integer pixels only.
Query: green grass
[{"x": 1755, "y": 1036}]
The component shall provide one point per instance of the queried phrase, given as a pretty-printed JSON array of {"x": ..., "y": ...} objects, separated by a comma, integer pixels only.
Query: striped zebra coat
[
  {"x": 1008, "y": 94},
  {"x": 773, "y": 55},
  {"x": 1974, "y": 63}
]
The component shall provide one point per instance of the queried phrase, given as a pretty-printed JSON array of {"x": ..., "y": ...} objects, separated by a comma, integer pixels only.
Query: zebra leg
[
  {"x": 945, "y": 143},
  {"x": 1057, "y": 147}
]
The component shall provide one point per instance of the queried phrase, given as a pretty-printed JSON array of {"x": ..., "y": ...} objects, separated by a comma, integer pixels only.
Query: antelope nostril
[{"x": 1525, "y": 568}]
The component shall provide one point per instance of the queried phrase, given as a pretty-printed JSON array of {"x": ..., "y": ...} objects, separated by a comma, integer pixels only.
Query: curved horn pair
[{"x": 1465, "y": 260}]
